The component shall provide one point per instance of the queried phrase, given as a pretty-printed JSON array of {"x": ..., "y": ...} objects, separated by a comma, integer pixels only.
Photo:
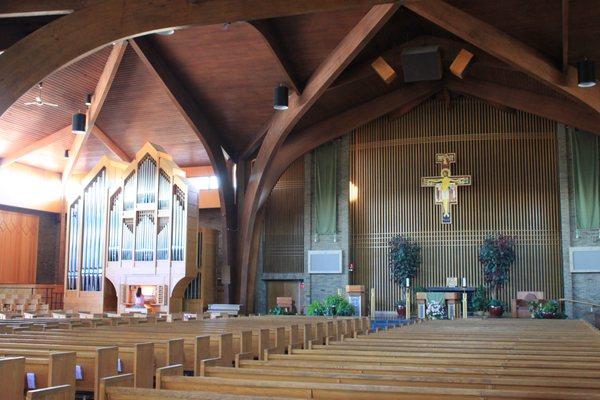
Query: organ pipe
[{"x": 131, "y": 216}]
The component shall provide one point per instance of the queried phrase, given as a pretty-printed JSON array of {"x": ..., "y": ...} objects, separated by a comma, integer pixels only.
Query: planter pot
[
  {"x": 496, "y": 311},
  {"x": 549, "y": 315},
  {"x": 401, "y": 311}
]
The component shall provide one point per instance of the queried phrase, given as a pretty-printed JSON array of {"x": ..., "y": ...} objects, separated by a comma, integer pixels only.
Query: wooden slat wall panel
[
  {"x": 18, "y": 247},
  {"x": 512, "y": 158},
  {"x": 284, "y": 223}
]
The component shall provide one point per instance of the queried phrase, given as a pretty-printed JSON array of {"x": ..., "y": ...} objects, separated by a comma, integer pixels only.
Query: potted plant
[
  {"x": 404, "y": 262},
  {"x": 495, "y": 308},
  {"x": 401, "y": 308},
  {"x": 480, "y": 301},
  {"x": 497, "y": 254},
  {"x": 547, "y": 310}
]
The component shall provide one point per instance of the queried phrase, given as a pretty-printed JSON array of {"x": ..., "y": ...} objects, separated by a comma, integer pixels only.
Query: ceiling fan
[{"x": 39, "y": 100}]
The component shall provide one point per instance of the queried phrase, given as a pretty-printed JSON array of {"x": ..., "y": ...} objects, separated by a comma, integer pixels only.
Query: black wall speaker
[{"x": 422, "y": 64}]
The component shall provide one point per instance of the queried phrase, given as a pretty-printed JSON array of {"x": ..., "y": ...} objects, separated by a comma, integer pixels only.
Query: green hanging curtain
[
  {"x": 326, "y": 189},
  {"x": 586, "y": 179}
]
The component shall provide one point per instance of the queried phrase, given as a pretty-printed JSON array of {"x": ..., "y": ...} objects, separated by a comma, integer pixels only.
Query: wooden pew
[
  {"x": 120, "y": 388},
  {"x": 12, "y": 371},
  {"x": 95, "y": 363}
]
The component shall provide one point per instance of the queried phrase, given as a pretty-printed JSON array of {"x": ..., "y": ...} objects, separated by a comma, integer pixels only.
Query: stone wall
[{"x": 578, "y": 286}]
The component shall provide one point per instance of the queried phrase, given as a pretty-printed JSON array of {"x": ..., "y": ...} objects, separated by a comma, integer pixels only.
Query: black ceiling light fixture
[
  {"x": 66, "y": 153},
  {"x": 78, "y": 125},
  {"x": 586, "y": 74},
  {"x": 280, "y": 97},
  {"x": 88, "y": 99}
]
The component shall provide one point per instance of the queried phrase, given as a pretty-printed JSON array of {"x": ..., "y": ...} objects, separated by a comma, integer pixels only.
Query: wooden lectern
[{"x": 356, "y": 297}]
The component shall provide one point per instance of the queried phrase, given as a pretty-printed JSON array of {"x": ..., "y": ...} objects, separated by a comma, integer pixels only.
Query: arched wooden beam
[
  {"x": 204, "y": 130},
  {"x": 102, "y": 88},
  {"x": 111, "y": 145},
  {"x": 266, "y": 30},
  {"x": 332, "y": 128},
  {"x": 554, "y": 108},
  {"x": 284, "y": 122},
  {"x": 76, "y": 35},
  {"x": 505, "y": 48}
]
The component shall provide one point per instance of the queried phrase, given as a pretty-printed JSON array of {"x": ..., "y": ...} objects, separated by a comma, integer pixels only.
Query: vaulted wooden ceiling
[{"x": 230, "y": 71}]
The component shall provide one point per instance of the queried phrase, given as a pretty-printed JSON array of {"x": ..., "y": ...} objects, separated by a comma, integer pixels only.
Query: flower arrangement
[
  {"x": 435, "y": 310},
  {"x": 548, "y": 310}
]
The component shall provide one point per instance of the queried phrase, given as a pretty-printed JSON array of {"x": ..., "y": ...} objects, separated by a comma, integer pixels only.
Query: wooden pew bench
[
  {"x": 12, "y": 371},
  {"x": 94, "y": 363},
  {"x": 169, "y": 378}
]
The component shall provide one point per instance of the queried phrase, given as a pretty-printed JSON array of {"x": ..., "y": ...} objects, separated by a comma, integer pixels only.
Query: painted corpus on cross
[{"x": 446, "y": 186}]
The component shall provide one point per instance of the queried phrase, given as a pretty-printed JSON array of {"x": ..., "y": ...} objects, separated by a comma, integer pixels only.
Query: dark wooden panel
[{"x": 512, "y": 159}]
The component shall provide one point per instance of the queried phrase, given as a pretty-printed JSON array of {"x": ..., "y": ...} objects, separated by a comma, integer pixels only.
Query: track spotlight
[
  {"x": 78, "y": 125},
  {"x": 66, "y": 153},
  {"x": 280, "y": 97},
  {"x": 88, "y": 99},
  {"x": 586, "y": 74}
]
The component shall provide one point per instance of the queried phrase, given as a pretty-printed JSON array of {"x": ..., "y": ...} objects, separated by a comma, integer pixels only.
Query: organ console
[{"x": 132, "y": 225}]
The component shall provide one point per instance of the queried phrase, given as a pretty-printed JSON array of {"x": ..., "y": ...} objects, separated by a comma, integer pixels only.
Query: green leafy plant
[
  {"x": 480, "y": 300},
  {"x": 548, "y": 310},
  {"x": 399, "y": 303},
  {"x": 316, "y": 308},
  {"x": 277, "y": 310},
  {"x": 497, "y": 254},
  {"x": 404, "y": 260},
  {"x": 334, "y": 305},
  {"x": 338, "y": 305}
]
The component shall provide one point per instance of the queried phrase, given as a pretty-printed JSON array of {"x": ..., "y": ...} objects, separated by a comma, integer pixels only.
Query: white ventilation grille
[
  {"x": 585, "y": 259},
  {"x": 325, "y": 261}
]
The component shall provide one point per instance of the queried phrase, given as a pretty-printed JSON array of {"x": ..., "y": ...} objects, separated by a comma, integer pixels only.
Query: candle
[
  {"x": 464, "y": 282},
  {"x": 407, "y": 282}
]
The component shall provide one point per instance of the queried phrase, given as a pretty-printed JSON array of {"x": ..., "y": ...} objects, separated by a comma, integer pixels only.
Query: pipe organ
[{"x": 133, "y": 225}]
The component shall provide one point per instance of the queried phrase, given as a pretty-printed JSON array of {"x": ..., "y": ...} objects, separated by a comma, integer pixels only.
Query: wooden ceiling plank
[
  {"x": 556, "y": 109},
  {"x": 110, "y": 144},
  {"x": 283, "y": 122},
  {"x": 102, "y": 88},
  {"x": 200, "y": 123},
  {"x": 37, "y": 145},
  {"x": 272, "y": 41},
  {"x": 505, "y": 48},
  {"x": 71, "y": 37}
]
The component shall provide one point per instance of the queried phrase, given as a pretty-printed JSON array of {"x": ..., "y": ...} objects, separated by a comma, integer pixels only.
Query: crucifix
[{"x": 446, "y": 186}]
